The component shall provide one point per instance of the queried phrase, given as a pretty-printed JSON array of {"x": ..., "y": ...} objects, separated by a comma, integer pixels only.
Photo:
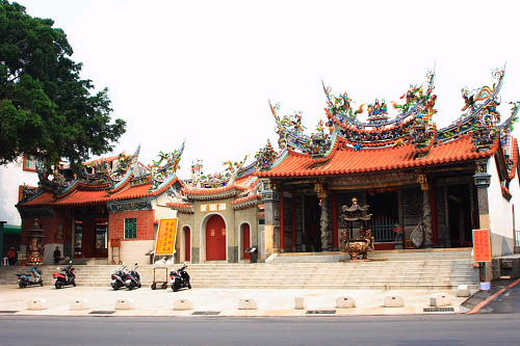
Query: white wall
[
  {"x": 500, "y": 214},
  {"x": 161, "y": 210},
  {"x": 134, "y": 251},
  {"x": 11, "y": 177}
]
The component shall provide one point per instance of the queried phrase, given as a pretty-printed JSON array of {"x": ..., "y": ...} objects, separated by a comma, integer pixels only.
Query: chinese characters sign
[
  {"x": 166, "y": 235},
  {"x": 482, "y": 245}
]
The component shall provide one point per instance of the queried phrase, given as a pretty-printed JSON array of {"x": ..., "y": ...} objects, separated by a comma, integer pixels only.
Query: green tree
[{"x": 46, "y": 109}]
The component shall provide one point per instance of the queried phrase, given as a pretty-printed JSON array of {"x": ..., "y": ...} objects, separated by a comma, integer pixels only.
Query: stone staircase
[{"x": 433, "y": 269}]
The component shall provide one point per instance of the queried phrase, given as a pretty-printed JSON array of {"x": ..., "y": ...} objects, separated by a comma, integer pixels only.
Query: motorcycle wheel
[
  {"x": 174, "y": 288},
  {"x": 41, "y": 283},
  {"x": 189, "y": 286},
  {"x": 74, "y": 283},
  {"x": 58, "y": 285},
  {"x": 115, "y": 287},
  {"x": 21, "y": 285},
  {"x": 139, "y": 285}
]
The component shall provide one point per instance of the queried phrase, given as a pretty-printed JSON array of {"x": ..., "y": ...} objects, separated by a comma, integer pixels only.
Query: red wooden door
[
  {"x": 246, "y": 241},
  {"x": 215, "y": 238},
  {"x": 187, "y": 244}
]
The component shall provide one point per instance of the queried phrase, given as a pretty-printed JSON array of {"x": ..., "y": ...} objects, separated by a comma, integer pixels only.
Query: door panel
[
  {"x": 246, "y": 242},
  {"x": 215, "y": 239}
]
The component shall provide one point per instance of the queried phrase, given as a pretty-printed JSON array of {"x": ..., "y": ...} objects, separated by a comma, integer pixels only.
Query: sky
[{"x": 203, "y": 71}]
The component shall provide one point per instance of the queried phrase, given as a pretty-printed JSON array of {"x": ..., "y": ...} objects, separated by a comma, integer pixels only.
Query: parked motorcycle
[
  {"x": 132, "y": 278},
  {"x": 34, "y": 277},
  {"x": 64, "y": 277},
  {"x": 180, "y": 278},
  {"x": 118, "y": 278}
]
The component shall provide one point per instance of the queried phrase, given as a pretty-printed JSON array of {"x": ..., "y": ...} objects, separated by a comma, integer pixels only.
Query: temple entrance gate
[{"x": 215, "y": 238}]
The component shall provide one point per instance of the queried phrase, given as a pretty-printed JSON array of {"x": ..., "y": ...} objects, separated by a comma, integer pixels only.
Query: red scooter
[{"x": 65, "y": 277}]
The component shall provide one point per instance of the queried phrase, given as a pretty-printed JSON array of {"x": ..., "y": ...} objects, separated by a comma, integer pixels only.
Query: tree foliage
[{"x": 46, "y": 109}]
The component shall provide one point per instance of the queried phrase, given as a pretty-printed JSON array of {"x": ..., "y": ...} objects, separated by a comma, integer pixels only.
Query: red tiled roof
[
  {"x": 43, "y": 199},
  {"x": 82, "y": 197},
  {"x": 345, "y": 160},
  {"x": 245, "y": 199}
]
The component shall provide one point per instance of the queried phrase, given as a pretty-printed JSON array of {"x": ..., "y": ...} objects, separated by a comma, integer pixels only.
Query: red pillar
[
  {"x": 282, "y": 220},
  {"x": 335, "y": 242}
]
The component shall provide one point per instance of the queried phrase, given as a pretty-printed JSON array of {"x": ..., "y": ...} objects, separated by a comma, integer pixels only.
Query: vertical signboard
[
  {"x": 166, "y": 236},
  {"x": 482, "y": 245}
]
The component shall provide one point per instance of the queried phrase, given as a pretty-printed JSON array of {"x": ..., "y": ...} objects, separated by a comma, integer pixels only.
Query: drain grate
[
  {"x": 321, "y": 312},
  {"x": 205, "y": 313},
  {"x": 102, "y": 312},
  {"x": 8, "y": 311},
  {"x": 438, "y": 310}
]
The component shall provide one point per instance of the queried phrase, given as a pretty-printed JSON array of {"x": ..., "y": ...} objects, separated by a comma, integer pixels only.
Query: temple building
[
  {"x": 422, "y": 186},
  {"x": 425, "y": 186}
]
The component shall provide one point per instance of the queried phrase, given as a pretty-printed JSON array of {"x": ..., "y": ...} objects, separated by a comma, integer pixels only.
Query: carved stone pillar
[
  {"x": 270, "y": 198},
  {"x": 326, "y": 234},
  {"x": 427, "y": 211}
]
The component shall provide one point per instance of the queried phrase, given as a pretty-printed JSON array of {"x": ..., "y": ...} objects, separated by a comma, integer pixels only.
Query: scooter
[
  {"x": 118, "y": 278},
  {"x": 34, "y": 277},
  {"x": 180, "y": 278},
  {"x": 64, "y": 277},
  {"x": 132, "y": 278}
]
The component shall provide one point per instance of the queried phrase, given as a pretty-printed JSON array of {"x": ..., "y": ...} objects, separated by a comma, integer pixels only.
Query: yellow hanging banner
[{"x": 166, "y": 236}]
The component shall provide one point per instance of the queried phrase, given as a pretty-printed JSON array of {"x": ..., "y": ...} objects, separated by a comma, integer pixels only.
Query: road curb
[{"x": 488, "y": 300}]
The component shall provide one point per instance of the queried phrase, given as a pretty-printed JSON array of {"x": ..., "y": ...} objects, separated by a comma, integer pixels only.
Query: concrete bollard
[
  {"x": 345, "y": 302},
  {"x": 394, "y": 300},
  {"x": 247, "y": 304},
  {"x": 300, "y": 303},
  {"x": 440, "y": 299},
  {"x": 80, "y": 304},
  {"x": 462, "y": 291},
  {"x": 182, "y": 304},
  {"x": 125, "y": 304},
  {"x": 37, "y": 304}
]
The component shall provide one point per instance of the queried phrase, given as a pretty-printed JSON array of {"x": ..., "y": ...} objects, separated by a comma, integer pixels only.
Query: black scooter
[
  {"x": 34, "y": 277},
  {"x": 132, "y": 278},
  {"x": 180, "y": 278},
  {"x": 65, "y": 277},
  {"x": 118, "y": 278}
]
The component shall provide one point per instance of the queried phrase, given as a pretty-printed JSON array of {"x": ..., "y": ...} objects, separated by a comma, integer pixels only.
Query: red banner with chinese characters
[
  {"x": 166, "y": 235},
  {"x": 482, "y": 245}
]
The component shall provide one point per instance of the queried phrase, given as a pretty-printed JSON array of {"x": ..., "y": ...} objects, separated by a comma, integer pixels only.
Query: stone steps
[{"x": 425, "y": 273}]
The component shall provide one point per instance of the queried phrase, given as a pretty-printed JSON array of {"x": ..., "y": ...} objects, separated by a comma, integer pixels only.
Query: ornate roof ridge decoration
[
  {"x": 57, "y": 184},
  {"x": 415, "y": 116},
  {"x": 163, "y": 175},
  {"x": 340, "y": 110},
  {"x": 233, "y": 171},
  {"x": 481, "y": 117},
  {"x": 126, "y": 165},
  {"x": 28, "y": 193},
  {"x": 291, "y": 134}
]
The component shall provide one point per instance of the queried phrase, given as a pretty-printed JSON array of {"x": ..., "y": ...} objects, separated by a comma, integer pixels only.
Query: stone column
[
  {"x": 427, "y": 211},
  {"x": 270, "y": 198},
  {"x": 326, "y": 234},
  {"x": 482, "y": 181}
]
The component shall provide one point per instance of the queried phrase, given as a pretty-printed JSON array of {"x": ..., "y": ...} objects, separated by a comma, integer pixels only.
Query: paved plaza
[{"x": 218, "y": 302}]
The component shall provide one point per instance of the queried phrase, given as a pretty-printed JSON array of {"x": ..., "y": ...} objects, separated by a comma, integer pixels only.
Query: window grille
[{"x": 131, "y": 228}]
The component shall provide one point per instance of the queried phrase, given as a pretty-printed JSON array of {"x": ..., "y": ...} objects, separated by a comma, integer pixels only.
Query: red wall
[
  {"x": 145, "y": 224},
  {"x": 49, "y": 227}
]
